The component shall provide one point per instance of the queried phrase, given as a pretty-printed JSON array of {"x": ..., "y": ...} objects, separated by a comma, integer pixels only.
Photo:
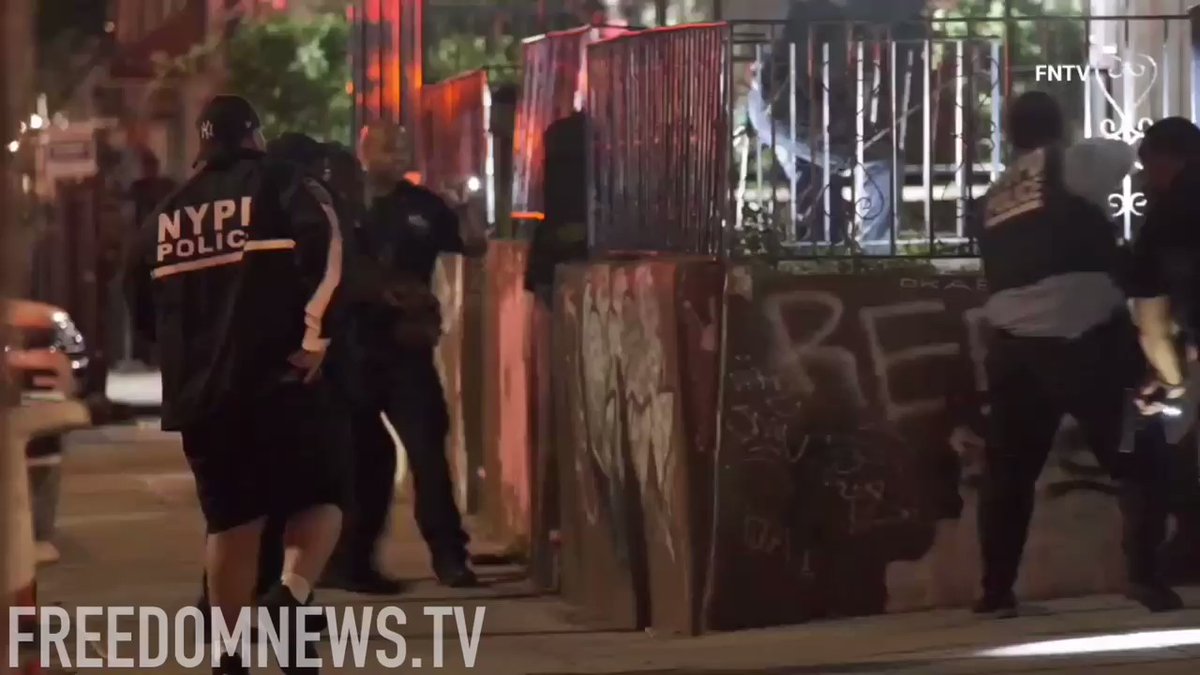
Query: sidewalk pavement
[{"x": 130, "y": 534}]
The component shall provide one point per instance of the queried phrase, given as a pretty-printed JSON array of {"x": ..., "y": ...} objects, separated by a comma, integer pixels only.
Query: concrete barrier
[
  {"x": 837, "y": 475},
  {"x": 507, "y": 457},
  {"x": 635, "y": 354}
]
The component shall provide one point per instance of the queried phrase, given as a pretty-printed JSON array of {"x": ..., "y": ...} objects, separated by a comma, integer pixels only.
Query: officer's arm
[
  {"x": 1153, "y": 316},
  {"x": 457, "y": 230},
  {"x": 1152, "y": 308},
  {"x": 320, "y": 253},
  {"x": 139, "y": 296}
]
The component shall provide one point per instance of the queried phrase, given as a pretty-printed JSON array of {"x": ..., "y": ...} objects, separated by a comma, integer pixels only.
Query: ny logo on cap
[{"x": 206, "y": 130}]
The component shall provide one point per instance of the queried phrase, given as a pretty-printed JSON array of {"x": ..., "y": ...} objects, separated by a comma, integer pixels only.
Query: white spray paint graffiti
[
  {"x": 883, "y": 362},
  {"x": 794, "y": 360},
  {"x": 621, "y": 346}
]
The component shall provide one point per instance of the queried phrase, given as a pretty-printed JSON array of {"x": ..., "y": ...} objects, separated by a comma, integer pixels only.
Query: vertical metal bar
[
  {"x": 960, "y": 140},
  {"x": 730, "y": 101},
  {"x": 860, "y": 133},
  {"x": 997, "y": 113},
  {"x": 1088, "y": 123},
  {"x": 826, "y": 164},
  {"x": 1129, "y": 103},
  {"x": 927, "y": 140},
  {"x": 1167, "y": 62},
  {"x": 896, "y": 184},
  {"x": 758, "y": 153},
  {"x": 793, "y": 83}
]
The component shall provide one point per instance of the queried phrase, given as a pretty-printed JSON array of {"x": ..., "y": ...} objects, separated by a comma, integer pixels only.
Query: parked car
[
  {"x": 45, "y": 348},
  {"x": 47, "y": 357}
]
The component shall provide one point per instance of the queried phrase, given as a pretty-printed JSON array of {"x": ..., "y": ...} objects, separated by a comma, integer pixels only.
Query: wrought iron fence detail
[
  {"x": 857, "y": 139},
  {"x": 657, "y": 147}
]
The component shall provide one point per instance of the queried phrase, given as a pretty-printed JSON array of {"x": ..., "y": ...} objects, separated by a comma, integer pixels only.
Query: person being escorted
[
  {"x": 406, "y": 227},
  {"x": 235, "y": 278},
  {"x": 309, "y": 156},
  {"x": 1063, "y": 344}
]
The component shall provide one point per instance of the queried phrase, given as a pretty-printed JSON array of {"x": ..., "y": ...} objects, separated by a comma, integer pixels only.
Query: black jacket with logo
[
  {"x": 233, "y": 273},
  {"x": 1034, "y": 228}
]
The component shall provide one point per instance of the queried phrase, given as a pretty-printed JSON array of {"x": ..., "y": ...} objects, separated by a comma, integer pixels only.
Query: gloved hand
[{"x": 1160, "y": 398}]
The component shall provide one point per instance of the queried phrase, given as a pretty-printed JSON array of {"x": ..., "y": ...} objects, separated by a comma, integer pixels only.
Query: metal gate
[
  {"x": 859, "y": 139},
  {"x": 552, "y": 88}
]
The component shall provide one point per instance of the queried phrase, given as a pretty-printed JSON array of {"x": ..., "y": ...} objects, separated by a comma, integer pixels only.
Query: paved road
[{"x": 130, "y": 535}]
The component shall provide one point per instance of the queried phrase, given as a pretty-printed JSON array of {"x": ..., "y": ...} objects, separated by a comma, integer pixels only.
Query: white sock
[{"x": 298, "y": 585}]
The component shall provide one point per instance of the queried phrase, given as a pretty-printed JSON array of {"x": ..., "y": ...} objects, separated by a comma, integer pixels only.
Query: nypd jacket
[
  {"x": 1049, "y": 251},
  {"x": 233, "y": 273}
]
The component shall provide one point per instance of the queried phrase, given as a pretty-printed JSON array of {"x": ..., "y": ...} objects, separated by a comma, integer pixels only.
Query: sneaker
[
  {"x": 47, "y": 553},
  {"x": 1155, "y": 597},
  {"x": 275, "y": 600},
  {"x": 998, "y": 605}
]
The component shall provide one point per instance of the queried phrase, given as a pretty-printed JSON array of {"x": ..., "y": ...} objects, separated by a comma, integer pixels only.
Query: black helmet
[{"x": 225, "y": 124}]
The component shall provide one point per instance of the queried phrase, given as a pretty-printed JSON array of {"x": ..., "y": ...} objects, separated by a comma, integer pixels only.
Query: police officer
[
  {"x": 310, "y": 157},
  {"x": 1166, "y": 254},
  {"x": 407, "y": 227},
  {"x": 235, "y": 277},
  {"x": 1063, "y": 342}
]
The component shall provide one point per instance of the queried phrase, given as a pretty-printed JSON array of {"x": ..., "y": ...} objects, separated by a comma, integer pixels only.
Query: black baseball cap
[
  {"x": 224, "y": 125},
  {"x": 1174, "y": 137}
]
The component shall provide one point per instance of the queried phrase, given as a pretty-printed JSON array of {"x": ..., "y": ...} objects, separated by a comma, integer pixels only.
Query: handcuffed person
[{"x": 235, "y": 278}]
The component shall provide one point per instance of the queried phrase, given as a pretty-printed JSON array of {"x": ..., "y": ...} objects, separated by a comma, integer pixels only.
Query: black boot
[
  {"x": 1155, "y": 596},
  {"x": 1144, "y": 516},
  {"x": 1000, "y": 605},
  {"x": 231, "y": 664},
  {"x": 453, "y": 571}
]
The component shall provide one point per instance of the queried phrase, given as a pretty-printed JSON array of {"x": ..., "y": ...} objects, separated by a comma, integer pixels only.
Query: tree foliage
[{"x": 296, "y": 73}]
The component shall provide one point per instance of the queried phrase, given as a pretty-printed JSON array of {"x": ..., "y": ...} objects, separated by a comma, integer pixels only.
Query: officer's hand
[
  {"x": 308, "y": 364},
  {"x": 1158, "y": 398}
]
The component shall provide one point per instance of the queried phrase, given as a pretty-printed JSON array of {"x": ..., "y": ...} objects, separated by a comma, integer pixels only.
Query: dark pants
[
  {"x": 1032, "y": 383},
  {"x": 408, "y": 390}
]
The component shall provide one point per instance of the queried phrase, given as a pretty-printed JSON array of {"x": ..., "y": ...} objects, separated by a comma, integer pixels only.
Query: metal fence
[
  {"x": 658, "y": 141},
  {"x": 552, "y": 88},
  {"x": 857, "y": 139},
  {"x": 456, "y": 142}
]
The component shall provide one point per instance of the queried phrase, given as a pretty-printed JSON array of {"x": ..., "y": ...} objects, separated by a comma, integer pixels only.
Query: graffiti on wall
[
  {"x": 851, "y": 448},
  {"x": 640, "y": 366}
]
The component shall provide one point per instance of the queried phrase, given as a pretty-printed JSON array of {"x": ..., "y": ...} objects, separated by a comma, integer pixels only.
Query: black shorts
[{"x": 278, "y": 456}]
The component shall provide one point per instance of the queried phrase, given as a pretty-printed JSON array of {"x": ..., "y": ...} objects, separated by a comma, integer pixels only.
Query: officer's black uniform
[
  {"x": 310, "y": 157},
  {"x": 238, "y": 270},
  {"x": 405, "y": 232},
  {"x": 1063, "y": 344}
]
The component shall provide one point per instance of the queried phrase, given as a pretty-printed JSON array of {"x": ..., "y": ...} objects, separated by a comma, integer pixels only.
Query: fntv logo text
[{"x": 1046, "y": 72}]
